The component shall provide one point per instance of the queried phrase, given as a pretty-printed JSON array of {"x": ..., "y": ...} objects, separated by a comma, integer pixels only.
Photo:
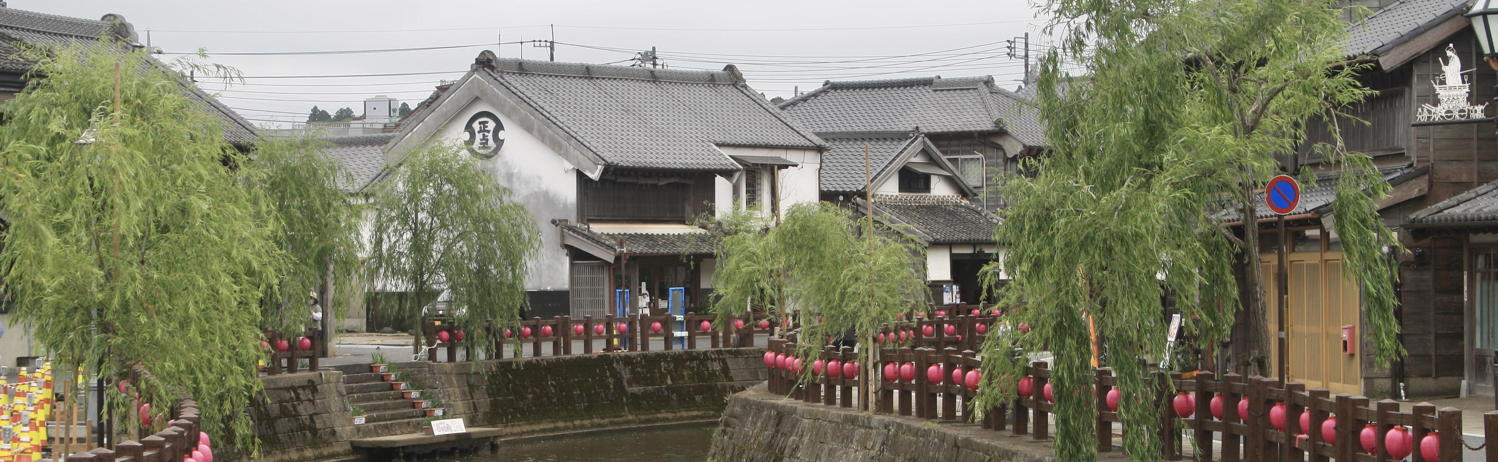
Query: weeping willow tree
[
  {"x": 1186, "y": 104},
  {"x": 130, "y": 240},
  {"x": 445, "y": 231},
  {"x": 825, "y": 265},
  {"x": 316, "y": 223}
]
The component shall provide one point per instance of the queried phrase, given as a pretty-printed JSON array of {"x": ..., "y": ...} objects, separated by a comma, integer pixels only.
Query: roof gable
[
  {"x": 637, "y": 118},
  {"x": 1398, "y": 22},
  {"x": 843, "y": 169}
]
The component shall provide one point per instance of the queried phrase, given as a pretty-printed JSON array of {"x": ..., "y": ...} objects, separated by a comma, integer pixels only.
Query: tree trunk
[{"x": 1250, "y": 354}]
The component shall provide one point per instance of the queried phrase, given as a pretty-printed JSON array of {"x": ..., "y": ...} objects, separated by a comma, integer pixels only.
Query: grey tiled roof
[
  {"x": 933, "y": 105},
  {"x": 40, "y": 29},
  {"x": 1476, "y": 206},
  {"x": 1318, "y": 199},
  {"x": 363, "y": 156},
  {"x": 647, "y": 244},
  {"x": 653, "y": 118},
  {"x": 1399, "y": 21},
  {"x": 842, "y": 164},
  {"x": 937, "y": 219}
]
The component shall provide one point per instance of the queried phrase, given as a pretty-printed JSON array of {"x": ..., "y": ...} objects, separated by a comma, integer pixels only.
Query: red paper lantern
[
  {"x": 457, "y": 336},
  {"x": 995, "y": 312},
  {"x": 145, "y": 414},
  {"x": 949, "y": 329},
  {"x": 891, "y": 372},
  {"x": 264, "y": 345},
  {"x": 622, "y": 328},
  {"x": 769, "y": 359},
  {"x": 817, "y": 366},
  {"x": 507, "y": 333},
  {"x": 655, "y": 327},
  {"x": 207, "y": 453},
  {"x": 928, "y": 331},
  {"x": 1329, "y": 430},
  {"x": 525, "y": 332},
  {"x": 282, "y": 345},
  {"x": 546, "y": 331},
  {"x": 1369, "y": 438},
  {"x": 121, "y": 385},
  {"x": 304, "y": 343},
  {"x": 934, "y": 374},
  {"x": 980, "y": 328},
  {"x": 1026, "y": 386},
  {"x": 976, "y": 312},
  {"x": 1024, "y": 327},
  {"x": 786, "y": 323},
  {"x": 835, "y": 369},
  {"x": 1243, "y": 409},
  {"x": 904, "y": 335},
  {"x": 578, "y": 329},
  {"x": 1111, "y": 399},
  {"x": 780, "y": 361},
  {"x": 1184, "y": 405},
  {"x": 796, "y": 365},
  {"x": 1430, "y": 446},
  {"x": 598, "y": 329},
  {"x": 973, "y": 378},
  {"x": 879, "y": 338},
  {"x": 1305, "y": 420},
  {"x": 941, "y": 313},
  {"x": 850, "y": 370},
  {"x": 443, "y": 336},
  {"x": 1216, "y": 405},
  {"x": 1398, "y": 442},
  {"x": 957, "y": 375},
  {"x": 907, "y": 372},
  {"x": 1277, "y": 416},
  {"x": 705, "y": 326},
  {"x": 1049, "y": 393}
]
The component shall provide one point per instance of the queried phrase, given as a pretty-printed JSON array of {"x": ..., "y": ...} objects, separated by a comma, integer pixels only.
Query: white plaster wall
[
  {"x": 539, "y": 179},
  {"x": 798, "y": 185},
  {"x": 723, "y": 190},
  {"x": 940, "y": 184},
  {"x": 706, "y": 269},
  {"x": 17, "y": 341},
  {"x": 938, "y": 263}
]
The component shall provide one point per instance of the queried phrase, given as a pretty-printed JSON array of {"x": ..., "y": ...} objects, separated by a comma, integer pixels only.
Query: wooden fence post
[
  {"x": 1290, "y": 393},
  {"x": 1234, "y": 425},
  {"x": 1104, "y": 427},
  {"x": 1041, "y": 417},
  {"x": 1385, "y": 420},
  {"x": 1490, "y": 433},
  {"x": 1418, "y": 430},
  {"x": 1317, "y": 400},
  {"x": 1449, "y": 424},
  {"x": 1204, "y": 382}
]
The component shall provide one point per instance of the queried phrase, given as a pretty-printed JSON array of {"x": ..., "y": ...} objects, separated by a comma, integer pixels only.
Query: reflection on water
[{"x": 679, "y": 444}]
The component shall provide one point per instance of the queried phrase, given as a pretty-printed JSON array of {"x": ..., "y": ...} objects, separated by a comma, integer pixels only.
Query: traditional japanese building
[
  {"x": 1427, "y": 129},
  {"x": 931, "y": 153},
  {"x": 615, "y": 164}
]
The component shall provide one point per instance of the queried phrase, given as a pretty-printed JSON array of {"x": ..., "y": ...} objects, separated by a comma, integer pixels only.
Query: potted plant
[
  {"x": 397, "y": 386},
  {"x": 427, "y": 427},
  {"x": 378, "y": 364},
  {"x": 411, "y": 394},
  {"x": 434, "y": 407},
  {"x": 358, "y": 413}
]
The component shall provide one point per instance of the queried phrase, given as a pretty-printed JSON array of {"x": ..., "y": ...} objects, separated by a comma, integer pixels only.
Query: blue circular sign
[{"x": 1282, "y": 194}]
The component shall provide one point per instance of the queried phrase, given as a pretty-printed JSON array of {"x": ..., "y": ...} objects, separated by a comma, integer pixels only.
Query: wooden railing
[
  {"x": 287, "y": 352},
  {"x": 173, "y": 443},
  {"x": 1264, "y": 433},
  {"x": 570, "y": 336}
]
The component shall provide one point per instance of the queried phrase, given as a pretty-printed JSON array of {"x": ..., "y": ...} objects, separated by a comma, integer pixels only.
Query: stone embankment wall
[
  {"x": 758, "y": 426},
  {"x": 306, "y": 416}
]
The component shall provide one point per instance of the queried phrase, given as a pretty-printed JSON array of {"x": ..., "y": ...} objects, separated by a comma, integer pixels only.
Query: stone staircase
[{"x": 387, "y": 410}]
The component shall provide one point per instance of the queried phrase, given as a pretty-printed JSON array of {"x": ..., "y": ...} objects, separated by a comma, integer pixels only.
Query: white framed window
[{"x": 970, "y": 167}]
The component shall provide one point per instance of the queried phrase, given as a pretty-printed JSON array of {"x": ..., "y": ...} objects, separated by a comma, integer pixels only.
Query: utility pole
[
  {"x": 551, "y": 45},
  {"x": 1027, "y": 58}
]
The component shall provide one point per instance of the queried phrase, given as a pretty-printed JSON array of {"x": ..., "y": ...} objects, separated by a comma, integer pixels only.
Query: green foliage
[
  {"x": 343, "y": 114},
  {"x": 131, "y": 241},
  {"x": 317, "y": 226},
  {"x": 822, "y": 266},
  {"x": 319, "y": 115},
  {"x": 443, "y": 224},
  {"x": 405, "y": 110},
  {"x": 1186, "y": 105}
]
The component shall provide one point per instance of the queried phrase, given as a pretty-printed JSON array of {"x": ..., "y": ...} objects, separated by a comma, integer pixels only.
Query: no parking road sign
[{"x": 1282, "y": 194}]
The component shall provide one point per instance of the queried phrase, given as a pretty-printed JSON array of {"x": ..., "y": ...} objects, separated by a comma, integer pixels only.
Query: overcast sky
[{"x": 780, "y": 45}]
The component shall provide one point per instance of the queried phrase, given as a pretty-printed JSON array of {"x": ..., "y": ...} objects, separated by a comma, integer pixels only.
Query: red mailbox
[{"x": 1349, "y": 340}]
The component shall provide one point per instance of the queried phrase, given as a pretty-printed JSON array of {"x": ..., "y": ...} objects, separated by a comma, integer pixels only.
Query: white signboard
[{"x": 448, "y": 427}]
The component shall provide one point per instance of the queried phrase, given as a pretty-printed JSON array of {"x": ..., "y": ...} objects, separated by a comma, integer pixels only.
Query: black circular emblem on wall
[{"x": 485, "y": 134}]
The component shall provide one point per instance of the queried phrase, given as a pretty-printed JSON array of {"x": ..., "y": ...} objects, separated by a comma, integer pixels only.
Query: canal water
[{"x": 676, "y": 444}]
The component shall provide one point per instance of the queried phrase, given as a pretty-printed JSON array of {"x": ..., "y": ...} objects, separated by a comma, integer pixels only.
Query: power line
[
  {"x": 383, "y": 92},
  {"x": 492, "y": 27},
  {"x": 326, "y": 76},
  {"x": 340, "y": 52},
  {"x": 372, "y": 84}
]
